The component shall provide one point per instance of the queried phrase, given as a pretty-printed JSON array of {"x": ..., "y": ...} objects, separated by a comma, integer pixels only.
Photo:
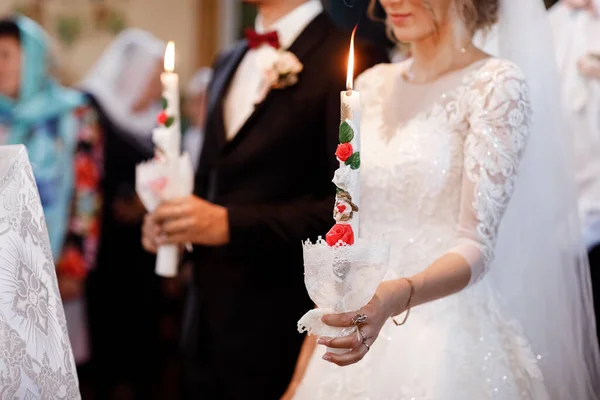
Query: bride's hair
[{"x": 476, "y": 14}]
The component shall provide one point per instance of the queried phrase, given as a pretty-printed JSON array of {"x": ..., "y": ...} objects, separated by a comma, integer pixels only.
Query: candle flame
[
  {"x": 170, "y": 57},
  {"x": 350, "y": 76}
]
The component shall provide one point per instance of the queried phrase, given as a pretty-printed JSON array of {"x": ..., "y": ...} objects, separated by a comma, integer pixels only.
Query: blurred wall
[
  {"x": 200, "y": 28},
  {"x": 168, "y": 19},
  {"x": 230, "y": 19}
]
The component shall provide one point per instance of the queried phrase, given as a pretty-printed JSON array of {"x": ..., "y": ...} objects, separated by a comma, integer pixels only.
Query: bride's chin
[{"x": 408, "y": 35}]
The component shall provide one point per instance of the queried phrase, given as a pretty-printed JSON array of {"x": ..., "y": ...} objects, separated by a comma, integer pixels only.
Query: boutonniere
[{"x": 280, "y": 69}]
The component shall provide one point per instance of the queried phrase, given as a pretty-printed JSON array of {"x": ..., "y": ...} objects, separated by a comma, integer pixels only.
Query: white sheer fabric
[
  {"x": 577, "y": 34},
  {"x": 541, "y": 267},
  {"x": 36, "y": 361},
  {"x": 120, "y": 77}
]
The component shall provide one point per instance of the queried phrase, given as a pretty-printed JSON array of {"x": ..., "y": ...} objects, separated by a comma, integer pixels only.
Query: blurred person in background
[
  {"x": 176, "y": 290},
  {"x": 576, "y": 26},
  {"x": 64, "y": 144},
  {"x": 124, "y": 293},
  {"x": 195, "y": 111}
]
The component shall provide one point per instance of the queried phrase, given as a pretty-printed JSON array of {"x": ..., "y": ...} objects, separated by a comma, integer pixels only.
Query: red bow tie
[{"x": 256, "y": 39}]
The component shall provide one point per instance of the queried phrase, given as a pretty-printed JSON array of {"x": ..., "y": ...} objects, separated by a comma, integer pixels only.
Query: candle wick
[{"x": 349, "y": 92}]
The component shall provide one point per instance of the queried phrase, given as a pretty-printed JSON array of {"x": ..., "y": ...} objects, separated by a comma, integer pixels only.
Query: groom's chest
[{"x": 293, "y": 115}]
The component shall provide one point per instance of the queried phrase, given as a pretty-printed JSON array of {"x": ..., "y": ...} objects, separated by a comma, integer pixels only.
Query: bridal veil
[{"x": 541, "y": 266}]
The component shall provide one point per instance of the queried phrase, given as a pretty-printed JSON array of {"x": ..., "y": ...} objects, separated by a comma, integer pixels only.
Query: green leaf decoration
[
  {"x": 169, "y": 122},
  {"x": 346, "y": 133},
  {"x": 354, "y": 160},
  {"x": 164, "y": 103}
]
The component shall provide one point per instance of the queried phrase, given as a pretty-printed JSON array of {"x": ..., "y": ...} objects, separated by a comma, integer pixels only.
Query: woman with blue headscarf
[{"x": 64, "y": 146}]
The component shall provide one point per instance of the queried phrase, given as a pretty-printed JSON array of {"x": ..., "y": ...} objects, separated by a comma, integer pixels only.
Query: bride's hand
[{"x": 390, "y": 299}]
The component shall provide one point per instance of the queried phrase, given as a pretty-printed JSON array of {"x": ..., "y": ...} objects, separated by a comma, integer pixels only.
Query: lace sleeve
[{"x": 498, "y": 119}]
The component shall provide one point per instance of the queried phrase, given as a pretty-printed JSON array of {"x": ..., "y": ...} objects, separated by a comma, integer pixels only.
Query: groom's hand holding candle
[
  {"x": 150, "y": 234},
  {"x": 192, "y": 220}
]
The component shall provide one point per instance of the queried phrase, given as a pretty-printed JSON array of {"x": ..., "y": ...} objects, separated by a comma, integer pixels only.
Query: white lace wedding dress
[
  {"x": 36, "y": 360},
  {"x": 439, "y": 162}
]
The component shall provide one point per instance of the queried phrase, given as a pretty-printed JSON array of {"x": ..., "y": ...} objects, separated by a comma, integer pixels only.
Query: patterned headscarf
[{"x": 42, "y": 119}]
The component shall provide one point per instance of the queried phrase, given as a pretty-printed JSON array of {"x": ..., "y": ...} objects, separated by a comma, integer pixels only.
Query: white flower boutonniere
[{"x": 280, "y": 70}]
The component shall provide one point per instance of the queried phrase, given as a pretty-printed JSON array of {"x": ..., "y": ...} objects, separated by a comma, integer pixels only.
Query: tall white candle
[
  {"x": 350, "y": 101},
  {"x": 168, "y": 135},
  {"x": 347, "y": 178}
]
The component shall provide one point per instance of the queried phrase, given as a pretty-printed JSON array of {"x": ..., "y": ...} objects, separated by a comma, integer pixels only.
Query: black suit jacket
[{"x": 274, "y": 178}]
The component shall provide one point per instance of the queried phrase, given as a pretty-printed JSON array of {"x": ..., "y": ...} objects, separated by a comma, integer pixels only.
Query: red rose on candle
[
  {"x": 344, "y": 151},
  {"x": 339, "y": 232},
  {"x": 162, "y": 118}
]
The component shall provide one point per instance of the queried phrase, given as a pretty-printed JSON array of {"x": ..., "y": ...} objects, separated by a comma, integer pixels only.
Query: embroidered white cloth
[
  {"x": 36, "y": 360},
  {"x": 341, "y": 279}
]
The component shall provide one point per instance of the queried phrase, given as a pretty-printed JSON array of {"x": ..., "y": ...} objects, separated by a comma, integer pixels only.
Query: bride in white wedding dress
[{"x": 464, "y": 169}]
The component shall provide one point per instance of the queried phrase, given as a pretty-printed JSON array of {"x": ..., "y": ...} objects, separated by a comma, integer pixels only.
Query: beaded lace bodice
[{"x": 439, "y": 161}]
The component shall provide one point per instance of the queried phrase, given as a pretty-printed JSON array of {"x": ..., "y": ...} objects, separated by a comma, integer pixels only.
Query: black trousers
[
  {"x": 254, "y": 358},
  {"x": 594, "y": 257}
]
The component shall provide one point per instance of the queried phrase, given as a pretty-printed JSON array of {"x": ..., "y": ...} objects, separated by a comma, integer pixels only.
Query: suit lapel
[
  {"x": 215, "y": 125},
  {"x": 302, "y": 47},
  {"x": 217, "y": 95}
]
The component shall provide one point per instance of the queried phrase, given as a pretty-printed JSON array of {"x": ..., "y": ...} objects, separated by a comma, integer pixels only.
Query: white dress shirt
[{"x": 245, "y": 85}]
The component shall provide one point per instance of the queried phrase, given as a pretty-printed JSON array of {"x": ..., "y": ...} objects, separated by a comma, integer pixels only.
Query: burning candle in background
[
  {"x": 172, "y": 169},
  {"x": 169, "y": 130}
]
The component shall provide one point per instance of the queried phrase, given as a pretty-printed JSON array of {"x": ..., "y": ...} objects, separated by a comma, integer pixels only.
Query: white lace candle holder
[{"x": 340, "y": 279}]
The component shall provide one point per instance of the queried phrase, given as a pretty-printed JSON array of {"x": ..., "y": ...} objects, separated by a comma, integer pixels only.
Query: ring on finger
[
  {"x": 359, "y": 319},
  {"x": 366, "y": 345},
  {"x": 362, "y": 337}
]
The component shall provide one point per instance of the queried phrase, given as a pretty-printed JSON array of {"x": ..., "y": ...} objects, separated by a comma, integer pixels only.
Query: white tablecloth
[{"x": 36, "y": 360}]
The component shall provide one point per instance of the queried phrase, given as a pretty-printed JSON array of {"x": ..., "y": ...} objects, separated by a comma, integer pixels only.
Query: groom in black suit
[{"x": 263, "y": 186}]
